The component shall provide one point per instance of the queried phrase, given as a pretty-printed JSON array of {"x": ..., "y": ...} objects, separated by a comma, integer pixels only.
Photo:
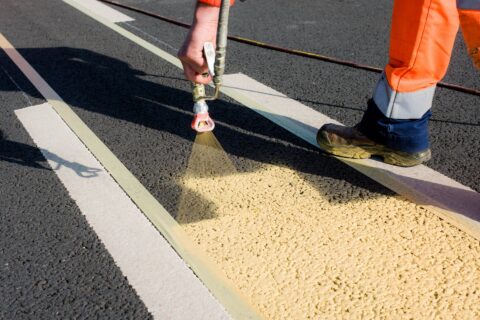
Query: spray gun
[{"x": 216, "y": 67}]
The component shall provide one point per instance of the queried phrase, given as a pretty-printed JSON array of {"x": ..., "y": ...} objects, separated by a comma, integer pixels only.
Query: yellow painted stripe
[{"x": 209, "y": 273}]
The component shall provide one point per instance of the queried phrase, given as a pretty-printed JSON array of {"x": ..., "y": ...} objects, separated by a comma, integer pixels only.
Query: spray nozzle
[{"x": 201, "y": 121}]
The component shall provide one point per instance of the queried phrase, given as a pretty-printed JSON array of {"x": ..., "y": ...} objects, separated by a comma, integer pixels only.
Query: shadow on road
[
  {"x": 89, "y": 81},
  {"x": 26, "y": 155},
  {"x": 22, "y": 154},
  {"x": 80, "y": 169},
  {"x": 93, "y": 82}
]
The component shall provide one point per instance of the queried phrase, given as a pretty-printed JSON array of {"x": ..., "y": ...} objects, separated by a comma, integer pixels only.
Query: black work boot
[{"x": 349, "y": 142}]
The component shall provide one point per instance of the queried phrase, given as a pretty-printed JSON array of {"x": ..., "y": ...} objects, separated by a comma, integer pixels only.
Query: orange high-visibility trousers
[{"x": 421, "y": 41}]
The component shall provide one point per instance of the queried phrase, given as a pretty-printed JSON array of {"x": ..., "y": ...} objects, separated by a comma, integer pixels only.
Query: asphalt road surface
[{"x": 52, "y": 263}]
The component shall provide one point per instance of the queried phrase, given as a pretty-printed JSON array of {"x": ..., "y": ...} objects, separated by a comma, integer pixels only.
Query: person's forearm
[
  {"x": 206, "y": 14},
  {"x": 204, "y": 29}
]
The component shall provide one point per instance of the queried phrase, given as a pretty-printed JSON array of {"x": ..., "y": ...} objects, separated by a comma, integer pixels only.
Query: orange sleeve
[
  {"x": 215, "y": 3},
  {"x": 470, "y": 22}
]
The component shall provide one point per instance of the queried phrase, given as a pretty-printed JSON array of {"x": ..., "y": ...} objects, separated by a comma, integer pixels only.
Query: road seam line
[{"x": 151, "y": 36}]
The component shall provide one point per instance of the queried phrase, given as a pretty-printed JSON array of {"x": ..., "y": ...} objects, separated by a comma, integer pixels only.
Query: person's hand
[{"x": 204, "y": 29}]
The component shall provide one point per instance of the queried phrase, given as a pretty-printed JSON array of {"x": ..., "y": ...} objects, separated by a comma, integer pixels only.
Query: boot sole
[{"x": 389, "y": 156}]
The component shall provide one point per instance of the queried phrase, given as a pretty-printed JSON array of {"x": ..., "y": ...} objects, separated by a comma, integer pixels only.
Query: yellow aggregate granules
[{"x": 298, "y": 255}]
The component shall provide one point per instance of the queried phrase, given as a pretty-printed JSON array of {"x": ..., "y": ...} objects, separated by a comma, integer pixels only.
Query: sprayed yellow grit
[{"x": 298, "y": 255}]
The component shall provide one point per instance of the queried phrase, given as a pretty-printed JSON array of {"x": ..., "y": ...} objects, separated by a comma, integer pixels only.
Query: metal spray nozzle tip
[{"x": 202, "y": 122}]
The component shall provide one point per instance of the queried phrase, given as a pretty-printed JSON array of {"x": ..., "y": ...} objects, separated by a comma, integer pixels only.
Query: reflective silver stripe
[
  {"x": 402, "y": 105},
  {"x": 468, "y": 4}
]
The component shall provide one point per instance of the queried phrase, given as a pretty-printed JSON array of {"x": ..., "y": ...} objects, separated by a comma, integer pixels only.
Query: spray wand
[{"x": 216, "y": 67}]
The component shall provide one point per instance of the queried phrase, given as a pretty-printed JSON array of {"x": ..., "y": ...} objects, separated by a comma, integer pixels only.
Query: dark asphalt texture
[{"x": 53, "y": 264}]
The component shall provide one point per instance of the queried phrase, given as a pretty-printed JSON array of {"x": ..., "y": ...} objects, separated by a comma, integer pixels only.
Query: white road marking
[
  {"x": 445, "y": 197},
  {"x": 163, "y": 43},
  {"x": 160, "y": 277},
  {"x": 105, "y": 11},
  {"x": 127, "y": 34}
]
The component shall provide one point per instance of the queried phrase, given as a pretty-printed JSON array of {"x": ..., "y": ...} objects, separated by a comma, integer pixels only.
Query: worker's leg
[
  {"x": 422, "y": 37},
  {"x": 469, "y": 11},
  {"x": 421, "y": 42}
]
